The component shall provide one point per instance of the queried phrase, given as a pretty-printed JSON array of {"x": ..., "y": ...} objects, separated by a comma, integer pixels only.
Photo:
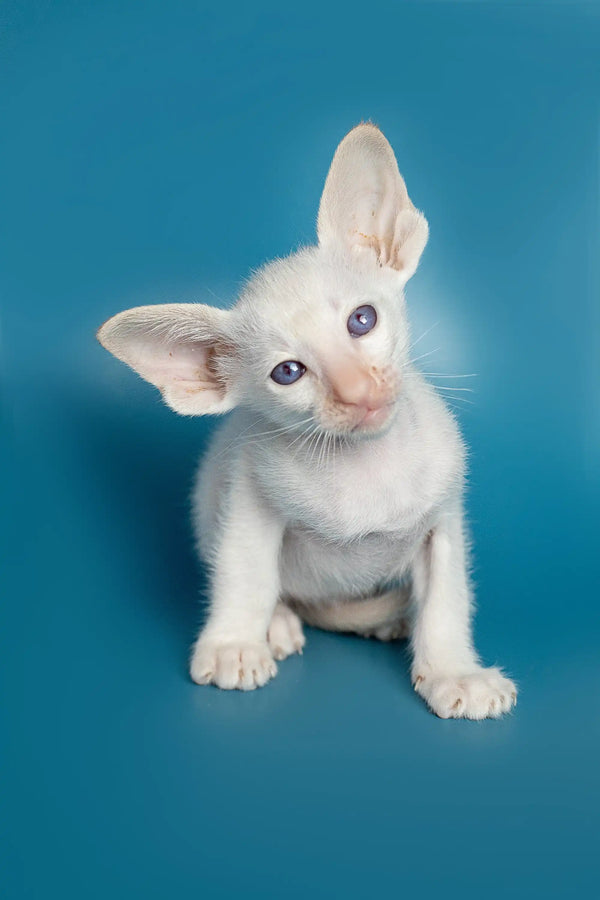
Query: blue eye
[
  {"x": 361, "y": 321},
  {"x": 288, "y": 372}
]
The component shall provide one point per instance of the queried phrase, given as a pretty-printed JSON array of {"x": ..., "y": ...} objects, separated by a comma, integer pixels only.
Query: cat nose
[{"x": 355, "y": 386}]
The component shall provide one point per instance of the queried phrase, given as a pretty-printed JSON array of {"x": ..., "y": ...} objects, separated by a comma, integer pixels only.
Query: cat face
[{"x": 317, "y": 337}]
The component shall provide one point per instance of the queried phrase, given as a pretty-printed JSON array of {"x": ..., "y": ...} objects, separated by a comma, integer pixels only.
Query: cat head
[{"x": 320, "y": 335}]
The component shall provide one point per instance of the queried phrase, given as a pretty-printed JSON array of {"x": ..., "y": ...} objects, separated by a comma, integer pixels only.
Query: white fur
[{"x": 338, "y": 496}]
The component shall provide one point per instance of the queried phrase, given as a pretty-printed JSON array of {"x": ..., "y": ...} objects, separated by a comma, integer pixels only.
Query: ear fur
[
  {"x": 180, "y": 348},
  {"x": 365, "y": 204}
]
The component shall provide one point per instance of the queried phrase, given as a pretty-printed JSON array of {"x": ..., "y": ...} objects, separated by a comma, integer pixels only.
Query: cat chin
[
  {"x": 375, "y": 418},
  {"x": 370, "y": 432},
  {"x": 374, "y": 423}
]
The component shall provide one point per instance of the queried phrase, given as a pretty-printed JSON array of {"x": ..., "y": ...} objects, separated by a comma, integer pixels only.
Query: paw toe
[
  {"x": 231, "y": 666},
  {"x": 481, "y": 694}
]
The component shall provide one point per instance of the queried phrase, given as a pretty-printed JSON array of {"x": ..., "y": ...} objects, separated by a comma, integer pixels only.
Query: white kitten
[{"x": 334, "y": 491}]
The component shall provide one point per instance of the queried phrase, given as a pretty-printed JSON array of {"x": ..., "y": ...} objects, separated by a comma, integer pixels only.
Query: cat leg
[
  {"x": 232, "y": 650},
  {"x": 446, "y": 671},
  {"x": 384, "y": 616}
]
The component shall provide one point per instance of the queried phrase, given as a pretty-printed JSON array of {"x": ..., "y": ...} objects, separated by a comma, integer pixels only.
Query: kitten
[{"x": 333, "y": 493}]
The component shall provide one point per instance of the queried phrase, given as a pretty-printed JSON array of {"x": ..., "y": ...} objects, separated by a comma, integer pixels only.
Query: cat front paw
[
  {"x": 235, "y": 665},
  {"x": 478, "y": 694}
]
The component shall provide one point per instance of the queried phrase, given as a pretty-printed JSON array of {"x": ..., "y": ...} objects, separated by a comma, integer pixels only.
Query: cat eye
[
  {"x": 361, "y": 321},
  {"x": 288, "y": 372}
]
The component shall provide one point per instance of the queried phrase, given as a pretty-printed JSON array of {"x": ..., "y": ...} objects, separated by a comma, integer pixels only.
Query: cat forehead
[{"x": 310, "y": 286}]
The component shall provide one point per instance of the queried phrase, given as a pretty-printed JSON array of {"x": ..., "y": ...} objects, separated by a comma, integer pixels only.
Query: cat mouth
[
  {"x": 360, "y": 420},
  {"x": 373, "y": 419}
]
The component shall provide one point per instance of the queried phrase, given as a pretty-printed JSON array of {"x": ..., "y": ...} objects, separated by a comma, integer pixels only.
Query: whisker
[
  {"x": 237, "y": 438},
  {"x": 447, "y": 387},
  {"x": 459, "y": 409},
  {"x": 306, "y": 434},
  {"x": 423, "y": 355},
  {"x": 323, "y": 453},
  {"x": 307, "y": 440},
  {"x": 283, "y": 429},
  {"x": 313, "y": 446},
  {"x": 442, "y": 375},
  {"x": 320, "y": 446},
  {"x": 450, "y": 398},
  {"x": 255, "y": 438},
  {"x": 425, "y": 333}
]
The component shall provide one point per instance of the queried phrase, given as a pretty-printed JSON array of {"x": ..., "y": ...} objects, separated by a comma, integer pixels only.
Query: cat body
[
  {"x": 333, "y": 493},
  {"x": 339, "y": 545}
]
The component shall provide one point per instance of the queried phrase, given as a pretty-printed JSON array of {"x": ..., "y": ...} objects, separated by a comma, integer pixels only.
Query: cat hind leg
[
  {"x": 384, "y": 616},
  {"x": 285, "y": 635}
]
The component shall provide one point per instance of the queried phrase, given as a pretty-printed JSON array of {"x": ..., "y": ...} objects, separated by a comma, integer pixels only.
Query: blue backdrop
[{"x": 158, "y": 151}]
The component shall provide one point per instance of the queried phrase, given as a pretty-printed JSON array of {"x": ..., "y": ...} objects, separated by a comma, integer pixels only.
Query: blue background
[{"x": 158, "y": 151}]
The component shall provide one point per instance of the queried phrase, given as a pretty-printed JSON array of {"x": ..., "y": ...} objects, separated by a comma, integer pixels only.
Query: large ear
[
  {"x": 182, "y": 348},
  {"x": 365, "y": 204}
]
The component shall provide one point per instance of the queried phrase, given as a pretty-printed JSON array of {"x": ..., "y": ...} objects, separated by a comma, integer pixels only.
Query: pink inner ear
[
  {"x": 188, "y": 362},
  {"x": 365, "y": 204},
  {"x": 185, "y": 375},
  {"x": 166, "y": 363},
  {"x": 175, "y": 347},
  {"x": 189, "y": 391}
]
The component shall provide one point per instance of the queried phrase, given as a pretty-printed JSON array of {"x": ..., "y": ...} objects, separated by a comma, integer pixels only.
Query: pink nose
[{"x": 352, "y": 385}]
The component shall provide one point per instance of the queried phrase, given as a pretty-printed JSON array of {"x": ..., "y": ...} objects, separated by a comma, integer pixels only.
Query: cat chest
[
  {"x": 314, "y": 566},
  {"x": 358, "y": 505}
]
